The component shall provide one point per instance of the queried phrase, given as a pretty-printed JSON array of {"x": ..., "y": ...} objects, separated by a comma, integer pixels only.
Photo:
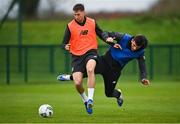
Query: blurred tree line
[
  {"x": 167, "y": 8},
  {"x": 163, "y": 8}
]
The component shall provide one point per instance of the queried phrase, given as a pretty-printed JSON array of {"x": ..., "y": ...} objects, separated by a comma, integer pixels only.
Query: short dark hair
[
  {"x": 78, "y": 7},
  {"x": 141, "y": 40}
]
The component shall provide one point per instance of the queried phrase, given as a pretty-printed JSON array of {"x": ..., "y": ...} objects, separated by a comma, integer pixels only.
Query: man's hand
[
  {"x": 117, "y": 46},
  {"x": 67, "y": 46},
  {"x": 145, "y": 82},
  {"x": 110, "y": 39}
]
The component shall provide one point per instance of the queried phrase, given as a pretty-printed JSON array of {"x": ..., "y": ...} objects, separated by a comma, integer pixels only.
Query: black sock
[
  {"x": 116, "y": 93},
  {"x": 71, "y": 77}
]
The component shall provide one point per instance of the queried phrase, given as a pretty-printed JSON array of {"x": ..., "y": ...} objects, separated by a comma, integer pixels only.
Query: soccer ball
[{"x": 45, "y": 111}]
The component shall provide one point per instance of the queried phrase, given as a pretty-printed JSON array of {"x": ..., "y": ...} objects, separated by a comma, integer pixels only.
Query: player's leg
[
  {"x": 78, "y": 67},
  {"x": 91, "y": 61},
  {"x": 77, "y": 77},
  {"x": 110, "y": 81},
  {"x": 109, "y": 85},
  {"x": 111, "y": 74},
  {"x": 90, "y": 67}
]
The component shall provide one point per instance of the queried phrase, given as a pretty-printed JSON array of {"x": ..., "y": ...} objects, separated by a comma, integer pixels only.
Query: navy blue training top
[{"x": 124, "y": 55}]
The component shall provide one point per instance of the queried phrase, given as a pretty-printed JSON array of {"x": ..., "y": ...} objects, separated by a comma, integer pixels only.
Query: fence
[{"x": 40, "y": 61}]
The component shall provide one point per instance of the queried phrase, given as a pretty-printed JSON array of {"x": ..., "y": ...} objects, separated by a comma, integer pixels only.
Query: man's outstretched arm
[{"x": 143, "y": 71}]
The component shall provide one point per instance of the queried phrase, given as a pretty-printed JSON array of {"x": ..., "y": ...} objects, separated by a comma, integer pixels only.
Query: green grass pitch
[{"x": 159, "y": 102}]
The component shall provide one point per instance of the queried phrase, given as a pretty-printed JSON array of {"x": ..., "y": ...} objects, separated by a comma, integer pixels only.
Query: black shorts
[{"x": 79, "y": 62}]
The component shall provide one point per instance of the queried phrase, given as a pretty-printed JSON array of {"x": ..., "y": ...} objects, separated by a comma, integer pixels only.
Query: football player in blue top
[{"x": 119, "y": 54}]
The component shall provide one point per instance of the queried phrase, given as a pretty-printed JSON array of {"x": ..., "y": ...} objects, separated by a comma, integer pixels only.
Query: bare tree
[{"x": 29, "y": 8}]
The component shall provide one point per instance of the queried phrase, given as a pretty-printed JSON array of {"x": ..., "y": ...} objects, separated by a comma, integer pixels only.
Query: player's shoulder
[
  {"x": 90, "y": 19},
  {"x": 71, "y": 22}
]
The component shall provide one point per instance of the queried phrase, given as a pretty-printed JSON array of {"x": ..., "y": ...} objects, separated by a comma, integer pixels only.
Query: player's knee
[
  {"x": 90, "y": 70},
  {"x": 77, "y": 82},
  {"x": 90, "y": 66}
]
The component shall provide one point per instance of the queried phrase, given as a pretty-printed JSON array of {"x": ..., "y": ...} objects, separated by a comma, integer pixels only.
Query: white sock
[
  {"x": 67, "y": 77},
  {"x": 90, "y": 93},
  {"x": 84, "y": 97}
]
